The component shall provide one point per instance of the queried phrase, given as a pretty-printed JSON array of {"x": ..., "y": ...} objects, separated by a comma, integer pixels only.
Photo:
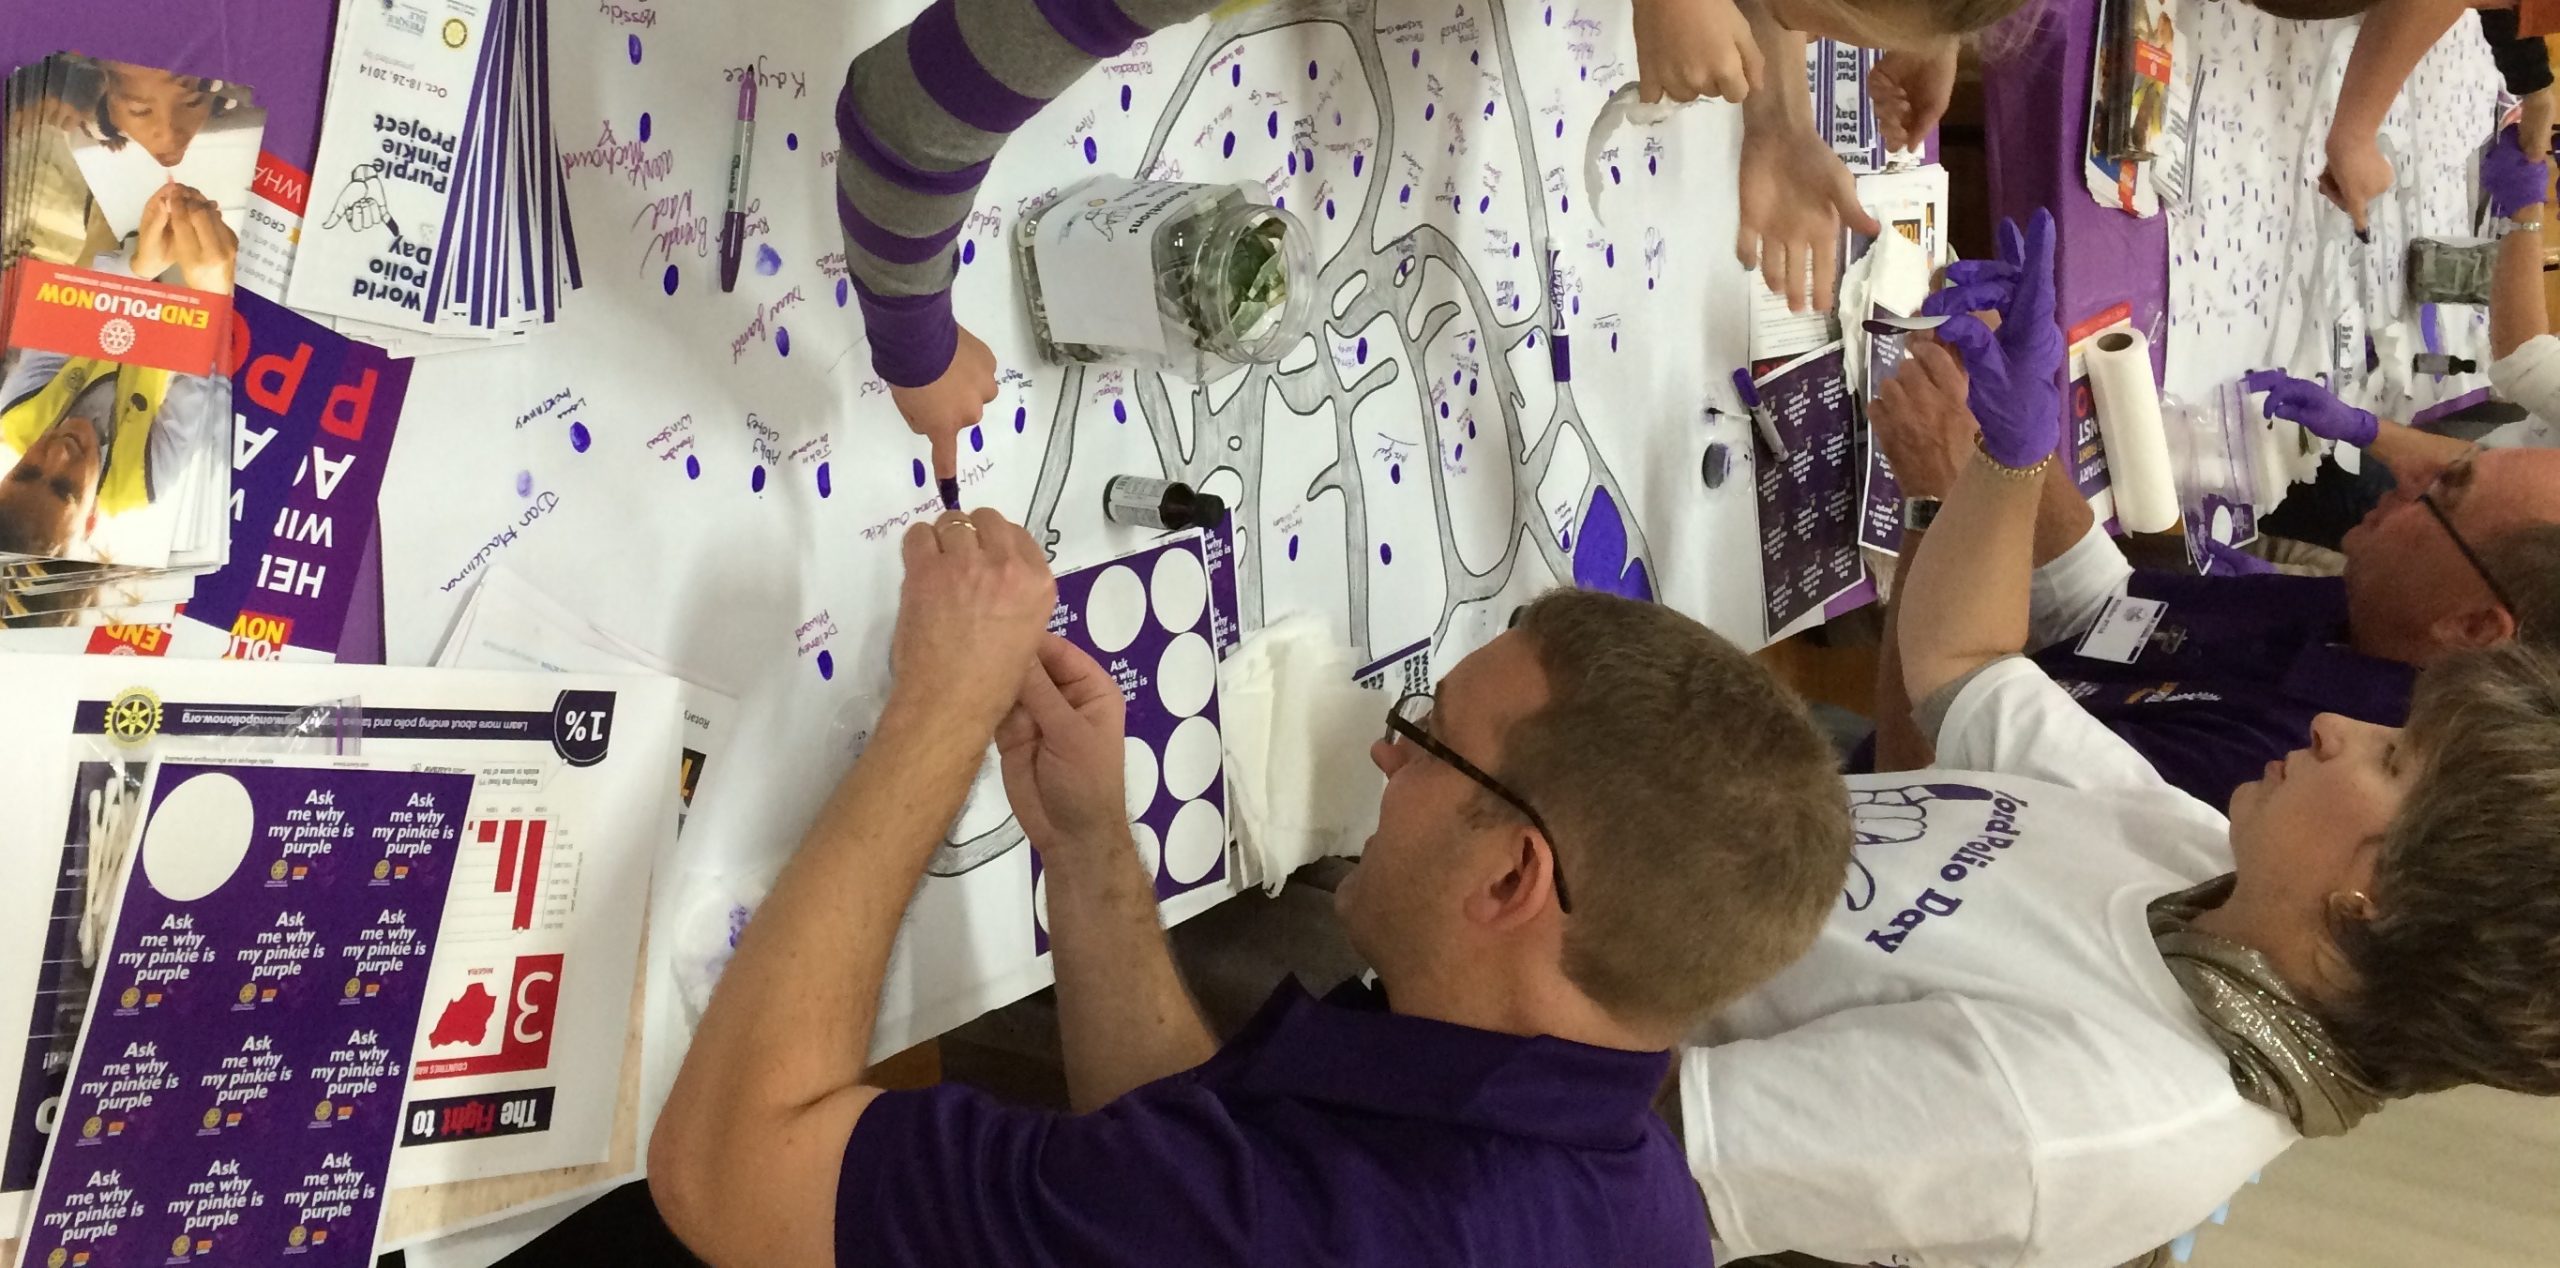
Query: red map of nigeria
[{"x": 466, "y": 1019}]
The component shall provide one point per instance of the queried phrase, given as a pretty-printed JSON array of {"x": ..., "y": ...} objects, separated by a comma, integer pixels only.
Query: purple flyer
[
  {"x": 1809, "y": 499},
  {"x": 1146, "y": 617},
  {"x": 292, "y": 572},
  {"x": 237, "y": 1087}
]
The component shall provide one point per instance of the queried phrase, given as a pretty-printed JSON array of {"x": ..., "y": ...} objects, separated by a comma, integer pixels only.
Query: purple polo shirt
[
  {"x": 1326, "y": 1133},
  {"x": 2232, "y": 677}
]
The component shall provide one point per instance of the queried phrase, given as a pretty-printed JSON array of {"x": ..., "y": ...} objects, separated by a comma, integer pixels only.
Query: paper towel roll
[{"x": 2129, "y": 421}]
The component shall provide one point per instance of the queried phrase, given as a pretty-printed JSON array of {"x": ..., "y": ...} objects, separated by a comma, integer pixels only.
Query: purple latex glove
[
  {"x": 2513, "y": 182},
  {"x": 1972, "y": 286},
  {"x": 2225, "y": 560},
  {"x": 2317, "y": 408},
  {"x": 2016, "y": 393}
]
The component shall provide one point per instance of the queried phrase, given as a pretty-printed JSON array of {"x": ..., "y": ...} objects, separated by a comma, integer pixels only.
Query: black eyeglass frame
[
  {"x": 2427, "y": 499},
  {"x": 1398, "y": 725}
]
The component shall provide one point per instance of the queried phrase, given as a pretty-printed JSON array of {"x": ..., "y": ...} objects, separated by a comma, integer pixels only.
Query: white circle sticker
[
  {"x": 1116, "y": 609},
  {"x": 1180, "y": 589},
  {"x": 1194, "y": 842},
  {"x": 198, "y": 838},
  {"x": 1186, "y": 674},
  {"x": 1149, "y": 850},
  {"x": 1191, "y": 758},
  {"x": 1138, "y": 774}
]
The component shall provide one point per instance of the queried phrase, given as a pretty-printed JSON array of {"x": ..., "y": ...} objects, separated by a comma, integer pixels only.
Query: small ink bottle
[
  {"x": 1166, "y": 504},
  {"x": 2440, "y": 363}
]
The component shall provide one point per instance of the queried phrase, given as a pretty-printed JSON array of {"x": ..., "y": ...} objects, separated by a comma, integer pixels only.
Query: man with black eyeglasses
[
  {"x": 2211, "y": 677},
  {"x": 1486, "y": 1101}
]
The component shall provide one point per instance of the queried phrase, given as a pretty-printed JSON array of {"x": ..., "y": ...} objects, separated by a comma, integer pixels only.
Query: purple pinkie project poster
[
  {"x": 238, "y": 1084},
  {"x": 1809, "y": 499}
]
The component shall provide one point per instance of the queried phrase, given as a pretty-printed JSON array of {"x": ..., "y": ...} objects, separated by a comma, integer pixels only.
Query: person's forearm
[
  {"x": 1785, "y": 99},
  {"x": 2413, "y": 456},
  {"x": 791, "y": 1021},
  {"x": 1124, "y": 1018},
  {"x": 1899, "y": 743},
  {"x": 2515, "y": 291},
  {"x": 2395, "y": 35},
  {"x": 1965, "y": 600},
  {"x": 913, "y": 156},
  {"x": 2063, "y": 516}
]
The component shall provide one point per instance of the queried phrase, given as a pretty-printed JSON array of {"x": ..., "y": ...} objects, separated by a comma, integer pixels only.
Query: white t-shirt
[
  {"x": 2529, "y": 377},
  {"x": 1984, "y": 1060}
]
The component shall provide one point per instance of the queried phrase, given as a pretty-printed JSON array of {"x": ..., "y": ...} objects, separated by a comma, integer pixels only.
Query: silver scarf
[{"x": 2282, "y": 1056}]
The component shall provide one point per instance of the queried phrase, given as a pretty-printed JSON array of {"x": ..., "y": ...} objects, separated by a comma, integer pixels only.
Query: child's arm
[
  {"x": 922, "y": 114},
  {"x": 2396, "y": 34},
  {"x": 1794, "y": 191}
]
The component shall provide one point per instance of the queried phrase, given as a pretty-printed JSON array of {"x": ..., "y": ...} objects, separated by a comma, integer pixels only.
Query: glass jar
[{"x": 1193, "y": 280}]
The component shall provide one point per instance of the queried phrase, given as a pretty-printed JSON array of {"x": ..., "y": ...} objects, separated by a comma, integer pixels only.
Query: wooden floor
[{"x": 2467, "y": 1179}]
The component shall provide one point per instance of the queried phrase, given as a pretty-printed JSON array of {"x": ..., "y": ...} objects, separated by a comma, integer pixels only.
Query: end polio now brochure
[{"x": 237, "y": 1088}]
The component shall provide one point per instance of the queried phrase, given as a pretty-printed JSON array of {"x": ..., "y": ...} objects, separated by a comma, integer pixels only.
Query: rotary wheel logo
[
  {"x": 212, "y": 1119},
  {"x": 455, "y": 33},
  {"x": 298, "y": 1236},
  {"x": 116, "y": 337},
  {"x": 179, "y": 1247},
  {"x": 133, "y": 717}
]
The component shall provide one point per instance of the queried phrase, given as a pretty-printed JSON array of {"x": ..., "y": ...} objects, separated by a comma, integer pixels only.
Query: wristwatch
[{"x": 1918, "y": 514}]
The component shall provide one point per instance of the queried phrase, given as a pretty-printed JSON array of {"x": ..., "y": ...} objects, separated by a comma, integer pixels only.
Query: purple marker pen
[
  {"x": 1761, "y": 418},
  {"x": 733, "y": 229}
]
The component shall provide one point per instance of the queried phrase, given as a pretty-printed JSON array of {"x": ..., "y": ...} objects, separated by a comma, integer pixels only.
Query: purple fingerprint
[
  {"x": 1311, "y": 70},
  {"x": 1564, "y": 538},
  {"x": 1417, "y": 57},
  {"x": 755, "y": 479},
  {"x": 1559, "y": 127},
  {"x": 1485, "y": 203},
  {"x": 1124, "y": 96},
  {"x": 1551, "y": 15},
  {"x": 1515, "y": 250},
  {"x": 1471, "y": 343},
  {"x": 578, "y": 437},
  {"x": 1563, "y": 203},
  {"x": 1648, "y": 283},
  {"x": 1405, "y": 195},
  {"x": 1652, "y": 165},
  {"x": 1427, "y": 109},
  {"x": 1532, "y": 340},
  {"x": 1386, "y": 553},
  {"x": 1229, "y": 150},
  {"x": 1456, "y": 376},
  {"x": 1455, "y": 204},
  {"x": 917, "y": 469},
  {"x": 1577, "y": 305},
  {"x": 1471, "y": 390},
  {"x": 1475, "y": 57},
  {"x": 1293, "y": 162},
  {"x": 1119, "y": 411},
  {"x": 768, "y": 260},
  {"x": 844, "y": 291},
  {"x": 1271, "y": 123},
  {"x": 1280, "y": 202},
  {"x": 1471, "y": 429},
  {"x": 1309, "y": 157},
  {"x": 1395, "y": 473},
  {"x": 1584, "y": 73},
  {"x": 1235, "y": 74},
  {"x": 826, "y": 664},
  {"x": 670, "y": 282},
  {"x": 826, "y": 481},
  {"x": 1488, "y": 110},
  {"x": 791, "y": 140},
  {"x": 969, "y": 252},
  {"x": 1355, "y": 163},
  {"x": 1337, "y": 118},
  {"x": 1460, "y": 453},
  {"x": 635, "y": 50},
  {"x": 1293, "y": 546},
  {"x": 692, "y": 467},
  {"x": 977, "y": 440},
  {"x": 524, "y": 484},
  {"x": 1609, "y": 255},
  {"x": 1613, "y": 173},
  {"x": 644, "y": 125},
  {"x": 1360, "y": 352},
  {"x": 1328, "y": 209},
  {"x": 1613, "y": 341},
  {"x": 1444, "y": 409},
  {"x": 782, "y": 340},
  {"x": 1091, "y": 152},
  {"x": 1021, "y": 418}
]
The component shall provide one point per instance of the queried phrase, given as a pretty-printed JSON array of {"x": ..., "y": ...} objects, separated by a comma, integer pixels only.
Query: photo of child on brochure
[{"x": 163, "y": 162}]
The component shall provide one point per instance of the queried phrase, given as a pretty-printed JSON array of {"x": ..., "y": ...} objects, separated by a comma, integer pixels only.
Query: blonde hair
[
  {"x": 1903, "y": 22},
  {"x": 1702, "y": 816},
  {"x": 2458, "y": 976}
]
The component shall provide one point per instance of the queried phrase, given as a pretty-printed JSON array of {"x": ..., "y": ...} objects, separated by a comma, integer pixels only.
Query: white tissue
[{"x": 1300, "y": 785}]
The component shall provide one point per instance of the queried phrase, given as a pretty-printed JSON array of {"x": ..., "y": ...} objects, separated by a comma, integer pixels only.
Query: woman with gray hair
[{"x": 2065, "y": 1010}]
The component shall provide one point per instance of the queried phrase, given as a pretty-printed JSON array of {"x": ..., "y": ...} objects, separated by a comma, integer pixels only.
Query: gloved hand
[
  {"x": 2512, "y": 181},
  {"x": 2225, "y": 560},
  {"x": 1972, "y": 286},
  {"x": 2016, "y": 392},
  {"x": 2315, "y": 407}
]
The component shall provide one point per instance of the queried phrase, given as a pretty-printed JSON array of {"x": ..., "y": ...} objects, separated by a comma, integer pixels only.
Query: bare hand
[
  {"x": 974, "y": 606},
  {"x": 1920, "y": 420},
  {"x": 1687, "y": 49},
  {"x": 1911, "y": 89},
  {"x": 153, "y": 250},
  {"x": 2534, "y": 121},
  {"x": 1063, "y": 749},
  {"x": 941, "y": 410},
  {"x": 2357, "y": 174},
  {"x": 1795, "y": 195}
]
